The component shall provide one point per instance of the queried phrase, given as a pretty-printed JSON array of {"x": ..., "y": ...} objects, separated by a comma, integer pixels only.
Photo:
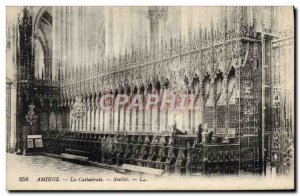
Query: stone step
[
  {"x": 142, "y": 169},
  {"x": 74, "y": 157}
]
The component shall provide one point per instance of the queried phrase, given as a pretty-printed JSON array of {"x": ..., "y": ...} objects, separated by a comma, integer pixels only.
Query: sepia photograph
[{"x": 150, "y": 98}]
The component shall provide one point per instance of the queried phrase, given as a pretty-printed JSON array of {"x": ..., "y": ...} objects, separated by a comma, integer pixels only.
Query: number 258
[{"x": 23, "y": 179}]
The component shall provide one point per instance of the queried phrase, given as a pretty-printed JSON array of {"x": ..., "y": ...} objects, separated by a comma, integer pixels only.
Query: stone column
[
  {"x": 122, "y": 118},
  {"x": 171, "y": 113},
  {"x": 100, "y": 117},
  {"x": 71, "y": 125},
  {"x": 79, "y": 121},
  {"x": 147, "y": 116},
  {"x": 111, "y": 117},
  {"x": 144, "y": 112},
  {"x": 192, "y": 112},
  {"x": 48, "y": 67},
  {"x": 83, "y": 120},
  {"x": 162, "y": 114},
  {"x": 88, "y": 123},
  {"x": 140, "y": 114},
  {"x": 103, "y": 120},
  {"x": 134, "y": 118},
  {"x": 198, "y": 111},
  {"x": 128, "y": 115},
  {"x": 92, "y": 114},
  {"x": 116, "y": 117},
  {"x": 77, "y": 124},
  {"x": 68, "y": 116},
  {"x": 106, "y": 119},
  {"x": 96, "y": 113},
  {"x": 155, "y": 117}
]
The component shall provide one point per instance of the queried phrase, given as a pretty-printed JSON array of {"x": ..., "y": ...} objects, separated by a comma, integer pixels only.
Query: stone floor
[
  {"x": 89, "y": 177},
  {"x": 44, "y": 164}
]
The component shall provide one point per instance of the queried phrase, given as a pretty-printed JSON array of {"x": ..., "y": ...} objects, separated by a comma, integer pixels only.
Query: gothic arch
[
  {"x": 38, "y": 17},
  {"x": 42, "y": 33}
]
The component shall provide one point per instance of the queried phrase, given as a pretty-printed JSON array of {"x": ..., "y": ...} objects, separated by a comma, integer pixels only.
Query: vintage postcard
[{"x": 150, "y": 98}]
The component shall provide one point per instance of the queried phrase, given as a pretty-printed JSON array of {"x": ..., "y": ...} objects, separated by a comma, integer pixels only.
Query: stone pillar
[
  {"x": 171, "y": 113},
  {"x": 92, "y": 114},
  {"x": 108, "y": 115},
  {"x": 111, "y": 117},
  {"x": 147, "y": 116},
  {"x": 88, "y": 122},
  {"x": 154, "y": 117},
  {"x": 97, "y": 114},
  {"x": 100, "y": 117},
  {"x": 69, "y": 117},
  {"x": 162, "y": 113},
  {"x": 65, "y": 120},
  {"x": 122, "y": 118},
  {"x": 144, "y": 112},
  {"x": 92, "y": 118},
  {"x": 134, "y": 118},
  {"x": 198, "y": 118},
  {"x": 83, "y": 121},
  {"x": 128, "y": 114},
  {"x": 71, "y": 125},
  {"x": 140, "y": 115},
  {"x": 192, "y": 113},
  {"x": 79, "y": 122},
  {"x": 103, "y": 119},
  {"x": 106, "y": 119},
  {"x": 116, "y": 117},
  {"x": 48, "y": 67},
  {"x": 112, "y": 114}
]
